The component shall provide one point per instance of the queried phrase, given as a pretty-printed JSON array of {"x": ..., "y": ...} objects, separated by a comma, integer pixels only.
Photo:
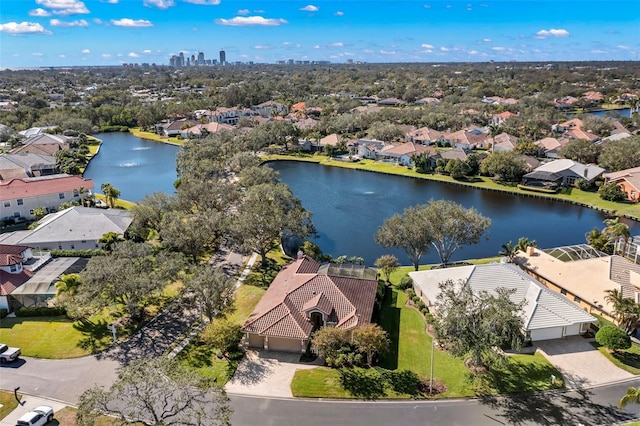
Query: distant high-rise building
[
  {"x": 223, "y": 57},
  {"x": 181, "y": 59},
  {"x": 200, "y": 58}
]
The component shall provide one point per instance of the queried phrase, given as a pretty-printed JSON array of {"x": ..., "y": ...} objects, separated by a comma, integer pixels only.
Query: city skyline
[{"x": 35, "y": 33}]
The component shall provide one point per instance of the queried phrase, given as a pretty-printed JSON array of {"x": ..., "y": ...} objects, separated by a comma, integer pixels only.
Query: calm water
[
  {"x": 348, "y": 206},
  {"x": 135, "y": 166}
]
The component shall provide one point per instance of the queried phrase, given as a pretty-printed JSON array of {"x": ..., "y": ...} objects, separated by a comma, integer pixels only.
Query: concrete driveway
[
  {"x": 27, "y": 404},
  {"x": 580, "y": 363},
  {"x": 266, "y": 373}
]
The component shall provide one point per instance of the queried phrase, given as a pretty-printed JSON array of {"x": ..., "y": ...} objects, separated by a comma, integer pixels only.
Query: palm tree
[
  {"x": 625, "y": 309},
  {"x": 109, "y": 240},
  {"x": 111, "y": 193},
  {"x": 523, "y": 243},
  {"x": 68, "y": 285},
  {"x": 615, "y": 231},
  {"x": 508, "y": 251},
  {"x": 632, "y": 395}
]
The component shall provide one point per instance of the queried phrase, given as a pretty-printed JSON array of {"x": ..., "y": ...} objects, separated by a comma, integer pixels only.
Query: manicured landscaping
[
  {"x": 628, "y": 360},
  {"x": 121, "y": 204},
  {"x": 410, "y": 349},
  {"x": 155, "y": 137},
  {"x": 482, "y": 182},
  {"x": 8, "y": 403}
]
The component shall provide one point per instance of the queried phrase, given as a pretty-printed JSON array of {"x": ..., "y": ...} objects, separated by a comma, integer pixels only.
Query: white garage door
[
  {"x": 546, "y": 334},
  {"x": 572, "y": 330},
  {"x": 256, "y": 341}
]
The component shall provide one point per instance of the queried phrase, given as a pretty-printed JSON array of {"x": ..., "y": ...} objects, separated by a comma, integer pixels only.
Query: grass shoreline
[{"x": 577, "y": 197}]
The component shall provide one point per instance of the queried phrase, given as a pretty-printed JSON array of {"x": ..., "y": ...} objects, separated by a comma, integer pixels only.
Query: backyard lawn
[
  {"x": 8, "y": 403},
  {"x": 410, "y": 349}
]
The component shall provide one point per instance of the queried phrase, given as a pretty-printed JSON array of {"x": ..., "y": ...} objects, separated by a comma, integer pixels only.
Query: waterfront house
[
  {"x": 425, "y": 136},
  {"x": 547, "y": 315},
  {"x": 628, "y": 180},
  {"x": 307, "y": 295},
  {"x": 401, "y": 154},
  {"x": 20, "y": 197},
  {"x": 44, "y": 144},
  {"x": 550, "y": 146},
  {"x": 16, "y": 166},
  {"x": 202, "y": 130},
  {"x": 570, "y": 171},
  {"x": 504, "y": 142}
]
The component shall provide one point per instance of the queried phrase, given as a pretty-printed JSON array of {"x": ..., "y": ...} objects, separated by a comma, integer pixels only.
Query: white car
[{"x": 39, "y": 416}]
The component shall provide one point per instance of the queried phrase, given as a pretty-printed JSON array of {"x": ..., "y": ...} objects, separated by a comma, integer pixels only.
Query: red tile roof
[
  {"x": 298, "y": 288},
  {"x": 33, "y": 187},
  {"x": 9, "y": 282},
  {"x": 11, "y": 255}
]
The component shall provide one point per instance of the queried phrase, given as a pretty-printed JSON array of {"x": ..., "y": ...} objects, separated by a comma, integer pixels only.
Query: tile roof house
[
  {"x": 20, "y": 197},
  {"x": 202, "y": 130},
  {"x": 628, "y": 180},
  {"x": 12, "y": 273},
  {"x": 546, "y": 314},
  {"x": 573, "y": 129},
  {"x": 466, "y": 139},
  {"x": 16, "y": 166},
  {"x": 499, "y": 119},
  {"x": 425, "y": 136},
  {"x": 504, "y": 142},
  {"x": 401, "y": 154},
  {"x": 550, "y": 146},
  {"x": 305, "y": 296}
]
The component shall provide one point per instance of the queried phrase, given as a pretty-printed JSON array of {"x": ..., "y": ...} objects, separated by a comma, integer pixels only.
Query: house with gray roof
[
  {"x": 17, "y": 166},
  {"x": 75, "y": 228},
  {"x": 546, "y": 314},
  {"x": 568, "y": 171},
  {"x": 307, "y": 295}
]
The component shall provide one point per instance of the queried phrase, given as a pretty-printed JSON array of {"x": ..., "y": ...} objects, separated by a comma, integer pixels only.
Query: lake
[
  {"x": 348, "y": 206},
  {"x": 135, "y": 166}
]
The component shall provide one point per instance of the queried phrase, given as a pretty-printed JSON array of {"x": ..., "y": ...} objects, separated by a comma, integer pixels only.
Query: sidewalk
[{"x": 28, "y": 403}]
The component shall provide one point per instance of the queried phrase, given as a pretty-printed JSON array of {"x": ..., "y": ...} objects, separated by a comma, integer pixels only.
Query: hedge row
[{"x": 41, "y": 311}]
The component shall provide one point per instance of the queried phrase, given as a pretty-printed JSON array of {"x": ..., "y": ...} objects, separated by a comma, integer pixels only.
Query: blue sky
[{"x": 110, "y": 32}]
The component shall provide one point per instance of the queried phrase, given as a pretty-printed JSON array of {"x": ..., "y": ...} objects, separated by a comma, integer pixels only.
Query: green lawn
[
  {"x": 202, "y": 358},
  {"x": 410, "y": 350},
  {"x": 55, "y": 337},
  {"x": 155, "y": 137},
  {"x": 8, "y": 403},
  {"x": 628, "y": 360},
  {"x": 481, "y": 182},
  {"x": 123, "y": 204},
  {"x": 397, "y": 275}
]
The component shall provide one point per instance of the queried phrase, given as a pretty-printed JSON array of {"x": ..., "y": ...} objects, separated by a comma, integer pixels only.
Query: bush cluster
[
  {"x": 405, "y": 283},
  {"x": 40, "y": 311},
  {"x": 77, "y": 253},
  {"x": 346, "y": 357}
]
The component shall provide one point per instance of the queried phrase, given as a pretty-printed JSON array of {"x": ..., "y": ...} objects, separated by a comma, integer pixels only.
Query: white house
[
  {"x": 75, "y": 228},
  {"x": 546, "y": 314},
  {"x": 20, "y": 197}
]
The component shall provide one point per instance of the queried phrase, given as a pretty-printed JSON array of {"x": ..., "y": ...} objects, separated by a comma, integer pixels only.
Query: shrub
[
  {"x": 40, "y": 311},
  {"x": 3, "y": 313},
  {"x": 613, "y": 338},
  {"x": 612, "y": 192},
  {"x": 583, "y": 184},
  {"x": 415, "y": 299},
  {"x": 405, "y": 283},
  {"x": 76, "y": 253},
  {"x": 411, "y": 293}
]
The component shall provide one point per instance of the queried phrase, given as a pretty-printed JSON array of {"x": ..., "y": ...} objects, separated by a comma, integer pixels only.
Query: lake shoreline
[{"x": 403, "y": 171}]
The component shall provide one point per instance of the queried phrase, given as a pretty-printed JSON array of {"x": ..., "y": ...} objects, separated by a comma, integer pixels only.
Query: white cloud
[
  {"x": 339, "y": 13},
  {"x": 62, "y": 55},
  {"x": 37, "y": 54},
  {"x": 310, "y": 8},
  {"x": 317, "y": 46},
  {"x": 39, "y": 12},
  {"x": 498, "y": 48},
  {"x": 427, "y": 46},
  {"x": 126, "y": 22},
  {"x": 388, "y": 52},
  {"x": 23, "y": 28},
  {"x": 337, "y": 44},
  {"x": 623, "y": 47},
  {"x": 133, "y": 55},
  {"x": 243, "y": 12},
  {"x": 76, "y": 23},
  {"x": 262, "y": 46},
  {"x": 146, "y": 51},
  {"x": 106, "y": 55},
  {"x": 204, "y": 2},
  {"x": 64, "y": 7},
  {"x": 97, "y": 21},
  {"x": 473, "y": 52},
  {"x": 160, "y": 4},
  {"x": 251, "y": 21},
  {"x": 111, "y": 1},
  {"x": 599, "y": 52},
  {"x": 552, "y": 33},
  {"x": 444, "y": 49},
  {"x": 85, "y": 51}
]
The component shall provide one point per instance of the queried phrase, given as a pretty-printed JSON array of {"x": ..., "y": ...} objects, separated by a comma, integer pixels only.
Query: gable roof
[
  {"x": 407, "y": 148},
  {"x": 15, "y": 166},
  {"x": 77, "y": 224},
  {"x": 42, "y": 185},
  {"x": 543, "y": 308},
  {"x": 11, "y": 254},
  {"x": 631, "y": 176},
  {"x": 299, "y": 288},
  {"x": 590, "y": 171}
]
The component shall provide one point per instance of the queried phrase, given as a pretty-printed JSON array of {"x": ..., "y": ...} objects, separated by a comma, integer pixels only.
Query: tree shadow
[
  {"x": 262, "y": 275},
  {"x": 517, "y": 377},
  {"x": 390, "y": 322},
  {"x": 362, "y": 384},
  {"x": 542, "y": 408},
  {"x": 94, "y": 334}
]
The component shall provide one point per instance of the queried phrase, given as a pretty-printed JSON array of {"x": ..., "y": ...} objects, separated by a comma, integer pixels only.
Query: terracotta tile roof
[
  {"x": 33, "y": 187},
  {"x": 9, "y": 282},
  {"x": 298, "y": 288},
  {"x": 11, "y": 254},
  {"x": 408, "y": 148}
]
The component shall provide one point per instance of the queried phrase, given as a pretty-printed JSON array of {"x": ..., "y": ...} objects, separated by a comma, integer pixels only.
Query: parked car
[
  {"x": 39, "y": 416},
  {"x": 8, "y": 354}
]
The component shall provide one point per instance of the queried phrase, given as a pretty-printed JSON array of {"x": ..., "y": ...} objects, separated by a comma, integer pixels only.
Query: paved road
[{"x": 585, "y": 407}]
